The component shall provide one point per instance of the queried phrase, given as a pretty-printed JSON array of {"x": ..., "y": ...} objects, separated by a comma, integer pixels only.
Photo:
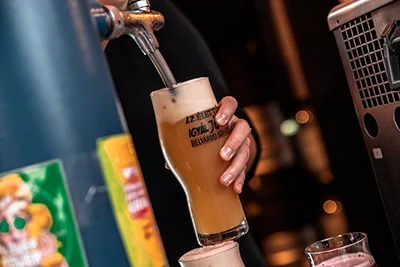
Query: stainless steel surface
[
  {"x": 385, "y": 16},
  {"x": 163, "y": 69},
  {"x": 387, "y": 19},
  {"x": 364, "y": 53},
  {"x": 116, "y": 24},
  {"x": 139, "y": 5},
  {"x": 346, "y": 12},
  {"x": 140, "y": 23},
  {"x": 361, "y": 46},
  {"x": 141, "y": 27}
]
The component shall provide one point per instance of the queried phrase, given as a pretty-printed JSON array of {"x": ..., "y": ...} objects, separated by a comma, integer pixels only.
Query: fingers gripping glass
[{"x": 191, "y": 141}]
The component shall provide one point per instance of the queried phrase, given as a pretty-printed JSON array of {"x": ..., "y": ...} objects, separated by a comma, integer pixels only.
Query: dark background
[{"x": 285, "y": 204}]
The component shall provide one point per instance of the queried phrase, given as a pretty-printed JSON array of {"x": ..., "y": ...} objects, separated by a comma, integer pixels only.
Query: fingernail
[
  {"x": 240, "y": 186},
  {"x": 227, "y": 179},
  {"x": 227, "y": 153},
  {"x": 221, "y": 118}
]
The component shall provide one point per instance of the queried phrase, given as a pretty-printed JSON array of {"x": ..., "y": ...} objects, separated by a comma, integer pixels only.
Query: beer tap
[{"x": 138, "y": 22}]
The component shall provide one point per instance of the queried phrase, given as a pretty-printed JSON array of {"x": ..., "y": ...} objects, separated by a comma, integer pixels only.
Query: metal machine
[
  {"x": 367, "y": 33},
  {"x": 59, "y": 120}
]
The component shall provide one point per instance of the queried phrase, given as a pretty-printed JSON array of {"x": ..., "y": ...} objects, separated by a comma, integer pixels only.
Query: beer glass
[
  {"x": 191, "y": 140},
  {"x": 346, "y": 250},
  {"x": 222, "y": 255}
]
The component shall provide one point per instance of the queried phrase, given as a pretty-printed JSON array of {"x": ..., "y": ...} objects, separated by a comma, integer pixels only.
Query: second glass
[
  {"x": 191, "y": 141},
  {"x": 346, "y": 250}
]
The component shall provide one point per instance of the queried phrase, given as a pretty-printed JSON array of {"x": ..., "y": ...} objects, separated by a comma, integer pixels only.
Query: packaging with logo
[
  {"x": 130, "y": 200},
  {"x": 37, "y": 223}
]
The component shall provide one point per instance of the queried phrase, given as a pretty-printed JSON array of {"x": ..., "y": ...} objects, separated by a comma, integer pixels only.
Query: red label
[{"x": 135, "y": 193}]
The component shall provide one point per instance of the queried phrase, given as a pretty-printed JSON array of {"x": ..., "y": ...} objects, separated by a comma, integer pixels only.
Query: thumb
[{"x": 121, "y": 4}]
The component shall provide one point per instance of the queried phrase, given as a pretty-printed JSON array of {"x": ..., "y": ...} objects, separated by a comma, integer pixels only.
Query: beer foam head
[
  {"x": 187, "y": 98},
  {"x": 207, "y": 251}
]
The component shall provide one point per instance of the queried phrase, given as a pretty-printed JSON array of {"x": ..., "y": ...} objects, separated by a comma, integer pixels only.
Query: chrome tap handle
[
  {"x": 139, "y": 23},
  {"x": 139, "y": 5}
]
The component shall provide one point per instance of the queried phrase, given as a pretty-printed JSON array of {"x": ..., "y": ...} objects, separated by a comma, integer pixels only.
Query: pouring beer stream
[{"x": 139, "y": 22}]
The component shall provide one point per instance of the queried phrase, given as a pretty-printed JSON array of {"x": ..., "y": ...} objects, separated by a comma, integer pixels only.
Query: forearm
[{"x": 104, "y": 44}]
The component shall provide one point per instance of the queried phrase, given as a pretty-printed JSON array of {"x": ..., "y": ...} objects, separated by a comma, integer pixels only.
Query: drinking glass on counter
[
  {"x": 191, "y": 141},
  {"x": 346, "y": 250}
]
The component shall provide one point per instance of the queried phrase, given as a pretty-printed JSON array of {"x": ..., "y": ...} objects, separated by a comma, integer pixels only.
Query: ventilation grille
[{"x": 365, "y": 53}]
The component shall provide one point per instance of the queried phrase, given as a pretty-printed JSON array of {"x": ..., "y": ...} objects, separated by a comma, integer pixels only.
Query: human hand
[
  {"x": 121, "y": 4},
  {"x": 239, "y": 147}
]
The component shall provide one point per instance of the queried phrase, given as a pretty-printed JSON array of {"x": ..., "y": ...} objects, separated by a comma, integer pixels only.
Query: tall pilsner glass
[{"x": 191, "y": 141}]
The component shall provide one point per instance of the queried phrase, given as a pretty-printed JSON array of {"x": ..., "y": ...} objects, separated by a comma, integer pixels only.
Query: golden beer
[{"x": 191, "y": 141}]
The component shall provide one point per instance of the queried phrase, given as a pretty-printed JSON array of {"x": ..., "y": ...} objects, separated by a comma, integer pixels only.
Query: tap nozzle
[{"x": 140, "y": 23}]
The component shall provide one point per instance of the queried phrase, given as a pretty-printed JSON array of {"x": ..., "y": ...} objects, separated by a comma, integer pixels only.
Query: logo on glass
[{"x": 203, "y": 128}]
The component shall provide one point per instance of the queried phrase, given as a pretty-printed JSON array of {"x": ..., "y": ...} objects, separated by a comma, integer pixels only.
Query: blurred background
[{"x": 314, "y": 178}]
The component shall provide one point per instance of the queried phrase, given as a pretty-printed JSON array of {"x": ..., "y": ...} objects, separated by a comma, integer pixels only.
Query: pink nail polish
[
  {"x": 227, "y": 178},
  {"x": 227, "y": 153},
  {"x": 221, "y": 118}
]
